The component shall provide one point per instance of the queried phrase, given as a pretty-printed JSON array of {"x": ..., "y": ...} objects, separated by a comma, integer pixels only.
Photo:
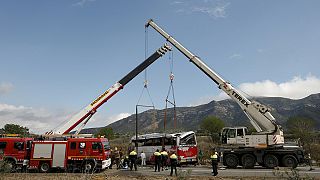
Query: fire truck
[
  {"x": 266, "y": 146},
  {"x": 60, "y": 149}
]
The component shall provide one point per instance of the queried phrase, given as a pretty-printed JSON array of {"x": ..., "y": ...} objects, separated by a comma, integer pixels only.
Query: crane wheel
[
  {"x": 290, "y": 161},
  {"x": 271, "y": 161},
  {"x": 248, "y": 161},
  {"x": 231, "y": 160}
]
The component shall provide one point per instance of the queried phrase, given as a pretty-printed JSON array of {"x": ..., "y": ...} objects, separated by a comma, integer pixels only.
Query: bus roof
[{"x": 159, "y": 135}]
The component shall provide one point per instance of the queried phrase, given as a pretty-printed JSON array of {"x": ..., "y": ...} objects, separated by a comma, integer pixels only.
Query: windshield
[
  {"x": 106, "y": 145},
  {"x": 188, "y": 140}
]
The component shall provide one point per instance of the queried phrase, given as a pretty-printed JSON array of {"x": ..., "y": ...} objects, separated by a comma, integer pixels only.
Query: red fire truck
[{"x": 75, "y": 154}]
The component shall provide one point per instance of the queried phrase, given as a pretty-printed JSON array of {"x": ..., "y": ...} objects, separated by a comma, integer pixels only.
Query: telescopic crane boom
[
  {"x": 259, "y": 115},
  {"x": 84, "y": 115}
]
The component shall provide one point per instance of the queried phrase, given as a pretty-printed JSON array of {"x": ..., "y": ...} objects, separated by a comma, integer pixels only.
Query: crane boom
[
  {"x": 258, "y": 114},
  {"x": 84, "y": 115}
]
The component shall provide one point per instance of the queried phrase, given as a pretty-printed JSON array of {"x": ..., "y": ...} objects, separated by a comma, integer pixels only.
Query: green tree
[
  {"x": 302, "y": 128},
  {"x": 106, "y": 132},
  {"x": 212, "y": 125},
  {"x": 15, "y": 129}
]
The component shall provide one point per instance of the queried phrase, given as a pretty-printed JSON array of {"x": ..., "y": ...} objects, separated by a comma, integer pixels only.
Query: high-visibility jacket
[
  {"x": 133, "y": 153},
  {"x": 173, "y": 156},
  {"x": 157, "y": 153},
  {"x": 164, "y": 153},
  {"x": 214, "y": 157}
]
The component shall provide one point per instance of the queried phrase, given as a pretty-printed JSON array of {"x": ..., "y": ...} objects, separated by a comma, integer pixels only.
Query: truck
[
  {"x": 61, "y": 149},
  {"x": 266, "y": 146}
]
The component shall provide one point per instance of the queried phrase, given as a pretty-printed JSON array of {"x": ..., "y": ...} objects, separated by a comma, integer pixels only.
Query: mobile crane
[
  {"x": 71, "y": 154},
  {"x": 81, "y": 119},
  {"x": 266, "y": 147}
]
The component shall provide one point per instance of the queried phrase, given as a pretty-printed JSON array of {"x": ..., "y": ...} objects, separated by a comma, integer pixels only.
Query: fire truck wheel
[
  {"x": 11, "y": 165},
  {"x": 271, "y": 161},
  {"x": 44, "y": 167},
  {"x": 289, "y": 161},
  {"x": 231, "y": 160},
  {"x": 88, "y": 166}
]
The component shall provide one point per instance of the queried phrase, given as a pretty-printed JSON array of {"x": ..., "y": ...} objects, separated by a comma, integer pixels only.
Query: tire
[
  {"x": 88, "y": 167},
  {"x": 231, "y": 160},
  {"x": 289, "y": 161},
  {"x": 270, "y": 161},
  {"x": 248, "y": 161},
  {"x": 44, "y": 167},
  {"x": 11, "y": 165}
]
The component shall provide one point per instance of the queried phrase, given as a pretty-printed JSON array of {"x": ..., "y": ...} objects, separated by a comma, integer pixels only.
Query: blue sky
[{"x": 58, "y": 56}]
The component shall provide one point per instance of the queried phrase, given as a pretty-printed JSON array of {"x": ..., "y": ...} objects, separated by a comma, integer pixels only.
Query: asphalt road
[{"x": 257, "y": 172}]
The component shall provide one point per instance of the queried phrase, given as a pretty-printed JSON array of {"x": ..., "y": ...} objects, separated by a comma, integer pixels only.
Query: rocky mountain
[{"x": 189, "y": 118}]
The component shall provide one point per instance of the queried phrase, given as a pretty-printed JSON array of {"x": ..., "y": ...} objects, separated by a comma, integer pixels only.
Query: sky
[{"x": 56, "y": 57}]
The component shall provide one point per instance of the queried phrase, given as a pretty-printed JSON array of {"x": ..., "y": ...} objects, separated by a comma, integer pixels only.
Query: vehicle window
[
  {"x": 82, "y": 145},
  {"x": 148, "y": 142},
  {"x": 96, "y": 145},
  {"x": 18, "y": 145},
  {"x": 239, "y": 132},
  {"x": 188, "y": 140},
  {"x": 232, "y": 133},
  {"x": 73, "y": 145},
  {"x": 3, "y": 145},
  {"x": 106, "y": 145}
]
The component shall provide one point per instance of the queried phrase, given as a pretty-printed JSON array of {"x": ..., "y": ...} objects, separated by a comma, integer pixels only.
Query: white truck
[{"x": 265, "y": 147}]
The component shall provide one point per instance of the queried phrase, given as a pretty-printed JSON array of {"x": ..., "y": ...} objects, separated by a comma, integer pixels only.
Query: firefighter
[
  {"x": 164, "y": 158},
  {"x": 133, "y": 160},
  {"x": 157, "y": 159},
  {"x": 214, "y": 163},
  {"x": 117, "y": 157},
  {"x": 173, "y": 163}
]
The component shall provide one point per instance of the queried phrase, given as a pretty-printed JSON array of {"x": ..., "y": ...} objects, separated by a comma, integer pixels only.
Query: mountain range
[{"x": 189, "y": 118}]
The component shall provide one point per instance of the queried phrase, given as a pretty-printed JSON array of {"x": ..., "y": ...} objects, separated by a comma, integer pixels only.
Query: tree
[
  {"x": 213, "y": 126},
  {"x": 15, "y": 129},
  {"x": 301, "y": 127},
  {"x": 106, "y": 132}
]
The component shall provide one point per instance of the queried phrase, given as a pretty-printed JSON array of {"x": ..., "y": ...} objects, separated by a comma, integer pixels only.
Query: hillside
[{"x": 189, "y": 118}]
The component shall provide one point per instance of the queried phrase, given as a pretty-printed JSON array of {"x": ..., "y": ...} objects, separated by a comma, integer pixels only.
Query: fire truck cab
[
  {"x": 14, "y": 151},
  {"x": 75, "y": 154}
]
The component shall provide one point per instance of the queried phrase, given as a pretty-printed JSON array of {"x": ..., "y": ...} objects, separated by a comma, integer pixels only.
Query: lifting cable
[
  {"x": 145, "y": 88},
  {"x": 173, "y": 101}
]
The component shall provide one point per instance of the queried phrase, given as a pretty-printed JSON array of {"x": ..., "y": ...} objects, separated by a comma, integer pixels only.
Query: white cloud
[
  {"x": 37, "y": 120},
  {"x": 5, "y": 88},
  {"x": 82, "y": 2},
  {"x": 235, "y": 56},
  {"x": 216, "y": 10},
  {"x": 40, "y": 120},
  {"x": 212, "y": 8},
  {"x": 296, "y": 88}
]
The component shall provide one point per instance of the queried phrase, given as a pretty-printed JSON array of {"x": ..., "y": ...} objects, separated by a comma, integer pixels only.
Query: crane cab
[{"x": 233, "y": 135}]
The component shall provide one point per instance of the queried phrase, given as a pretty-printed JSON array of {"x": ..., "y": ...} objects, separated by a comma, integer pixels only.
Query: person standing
[
  {"x": 133, "y": 160},
  {"x": 117, "y": 157},
  {"x": 143, "y": 158},
  {"x": 164, "y": 158},
  {"x": 173, "y": 163},
  {"x": 157, "y": 159},
  {"x": 214, "y": 163}
]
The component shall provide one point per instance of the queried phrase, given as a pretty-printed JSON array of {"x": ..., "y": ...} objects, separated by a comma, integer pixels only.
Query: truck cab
[
  {"x": 233, "y": 135},
  {"x": 14, "y": 150}
]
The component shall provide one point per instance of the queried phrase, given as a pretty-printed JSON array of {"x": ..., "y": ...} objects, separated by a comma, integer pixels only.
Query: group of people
[{"x": 161, "y": 160}]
